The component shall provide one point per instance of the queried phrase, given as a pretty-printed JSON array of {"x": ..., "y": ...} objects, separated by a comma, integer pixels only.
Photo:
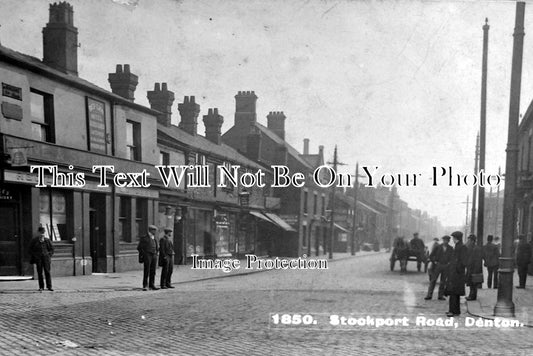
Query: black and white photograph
[{"x": 251, "y": 177}]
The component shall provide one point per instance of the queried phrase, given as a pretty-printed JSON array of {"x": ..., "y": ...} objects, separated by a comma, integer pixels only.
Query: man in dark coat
[
  {"x": 474, "y": 268},
  {"x": 166, "y": 259},
  {"x": 417, "y": 245},
  {"x": 455, "y": 285},
  {"x": 523, "y": 258},
  {"x": 41, "y": 251},
  {"x": 440, "y": 257},
  {"x": 148, "y": 248},
  {"x": 491, "y": 256}
]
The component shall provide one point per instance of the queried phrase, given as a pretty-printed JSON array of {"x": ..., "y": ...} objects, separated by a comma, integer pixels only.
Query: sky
[{"x": 394, "y": 84}]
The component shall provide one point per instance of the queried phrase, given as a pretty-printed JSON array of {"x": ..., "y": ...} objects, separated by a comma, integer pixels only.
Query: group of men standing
[
  {"x": 150, "y": 248},
  {"x": 463, "y": 265}
]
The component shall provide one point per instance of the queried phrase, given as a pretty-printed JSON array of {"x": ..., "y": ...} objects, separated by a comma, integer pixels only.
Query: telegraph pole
[
  {"x": 466, "y": 215},
  {"x": 474, "y": 190},
  {"x": 505, "y": 306},
  {"x": 355, "y": 243},
  {"x": 482, "y": 136},
  {"x": 497, "y": 204},
  {"x": 332, "y": 221}
]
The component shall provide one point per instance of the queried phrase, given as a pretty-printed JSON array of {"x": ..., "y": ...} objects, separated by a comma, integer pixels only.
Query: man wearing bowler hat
[
  {"x": 148, "y": 248},
  {"x": 166, "y": 258},
  {"x": 455, "y": 285}
]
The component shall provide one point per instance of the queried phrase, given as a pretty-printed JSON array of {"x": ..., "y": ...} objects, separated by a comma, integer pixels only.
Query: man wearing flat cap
[
  {"x": 166, "y": 258},
  {"x": 148, "y": 248},
  {"x": 455, "y": 285},
  {"x": 441, "y": 257}
]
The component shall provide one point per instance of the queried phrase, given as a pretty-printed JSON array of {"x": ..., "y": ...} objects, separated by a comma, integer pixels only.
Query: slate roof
[
  {"x": 37, "y": 66},
  {"x": 203, "y": 145}
]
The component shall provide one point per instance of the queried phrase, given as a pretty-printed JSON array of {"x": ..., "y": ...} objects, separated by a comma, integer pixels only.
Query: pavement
[
  {"x": 486, "y": 300},
  {"x": 132, "y": 280}
]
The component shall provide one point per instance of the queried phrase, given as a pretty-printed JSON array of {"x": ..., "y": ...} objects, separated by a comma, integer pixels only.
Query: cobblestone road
[{"x": 233, "y": 316}]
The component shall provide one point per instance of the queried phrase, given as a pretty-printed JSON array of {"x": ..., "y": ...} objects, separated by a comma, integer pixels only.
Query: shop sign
[
  {"x": 5, "y": 194},
  {"x": 11, "y": 91}
]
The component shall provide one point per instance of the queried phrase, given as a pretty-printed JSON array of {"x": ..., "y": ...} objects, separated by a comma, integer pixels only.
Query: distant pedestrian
[
  {"x": 148, "y": 247},
  {"x": 440, "y": 257},
  {"x": 474, "y": 267},
  {"x": 523, "y": 258},
  {"x": 432, "y": 265},
  {"x": 491, "y": 256},
  {"x": 41, "y": 251},
  {"x": 166, "y": 259},
  {"x": 418, "y": 247},
  {"x": 455, "y": 284}
]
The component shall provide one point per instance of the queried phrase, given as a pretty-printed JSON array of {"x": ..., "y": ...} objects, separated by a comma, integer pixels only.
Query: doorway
[
  {"x": 9, "y": 240},
  {"x": 97, "y": 230}
]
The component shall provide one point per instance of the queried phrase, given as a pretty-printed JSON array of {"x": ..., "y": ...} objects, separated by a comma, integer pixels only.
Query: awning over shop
[
  {"x": 280, "y": 222},
  {"x": 341, "y": 228},
  {"x": 261, "y": 216},
  {"x": 368, "y": 207}
]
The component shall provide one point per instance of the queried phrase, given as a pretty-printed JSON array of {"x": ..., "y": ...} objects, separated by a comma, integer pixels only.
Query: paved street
[{"x": 233, "y": 316}]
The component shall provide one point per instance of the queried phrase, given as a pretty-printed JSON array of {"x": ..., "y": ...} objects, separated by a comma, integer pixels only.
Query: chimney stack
[
  {"x": 245, "y": 106},
  {"x": 60, "y": 39},
  {"x": 276, "y": 123},
  {"x": 123, "y": 82},
  {"x": 306, "y": 146},
  {"x": 321, "y": 150},
  {"x": 253, "y": 144},
  {"x": 213, "y": 122},
  {"x": 189, "y": 111},
  {"x": 161, "y": 99}
]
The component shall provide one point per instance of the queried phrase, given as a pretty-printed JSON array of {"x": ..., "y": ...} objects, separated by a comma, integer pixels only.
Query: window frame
[{"x": 48, "y": 115}]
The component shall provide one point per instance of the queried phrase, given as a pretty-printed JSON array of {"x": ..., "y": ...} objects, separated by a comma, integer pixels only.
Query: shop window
[
  {"x": 124, "y": 219},
  {"x": 53, "y": 214},
  {"x": 141, "y": 216},
  {"x": 42, "y": 116},
  {"x": 133, "y": 140}
]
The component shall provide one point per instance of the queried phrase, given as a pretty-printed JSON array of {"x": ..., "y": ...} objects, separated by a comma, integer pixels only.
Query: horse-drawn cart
[{"x": 401, "y": 252}]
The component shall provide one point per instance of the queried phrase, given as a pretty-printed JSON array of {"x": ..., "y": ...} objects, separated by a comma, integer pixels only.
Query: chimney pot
[
  {"x": 276, "y": 123},
  {"x": 162, "y": 102},
  {"x": 123, "y": 83},
  {"x": 164, "y": 85},
  {"x": 306, "y": 146},
  {"x": 60, "y": 39},
  {"x": 189, "y": 111},
  {"x": 213, "y": 123}
]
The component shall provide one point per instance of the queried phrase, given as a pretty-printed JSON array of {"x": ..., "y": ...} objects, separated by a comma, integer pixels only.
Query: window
[
  {"x": 315, "y": 202},
  {"x": 42, "y": 116},
  {"x": 323, "y": 205},
  {"x": 164, "y": 158},
  {"x": 141, "y": 215},
  {"x": 305, "y": 202},
  {"x": 53, "y": 214},
  {"x": 124, "y": 219},
  {"x": 304, "y": 238},
  {"x": 133, "y": 140}
]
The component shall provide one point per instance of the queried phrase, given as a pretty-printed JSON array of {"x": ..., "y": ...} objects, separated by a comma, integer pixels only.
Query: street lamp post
[{"x": 505, "y": 306}]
